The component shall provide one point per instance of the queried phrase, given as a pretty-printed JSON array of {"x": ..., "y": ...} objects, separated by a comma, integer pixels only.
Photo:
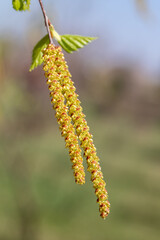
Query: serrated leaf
[
  {"x": 37, "y": 52},
  {"x": 72, "y": 43},
  {"x": 21, "y": 5}
]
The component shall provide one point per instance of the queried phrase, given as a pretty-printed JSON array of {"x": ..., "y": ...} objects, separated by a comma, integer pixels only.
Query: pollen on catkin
[
  {"x": 82, "y": 130},
  {"x": 64, "y": 120}
]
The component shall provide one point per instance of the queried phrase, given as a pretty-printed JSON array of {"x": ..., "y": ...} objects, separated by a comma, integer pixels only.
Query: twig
[{"x": 47, "y": 22}]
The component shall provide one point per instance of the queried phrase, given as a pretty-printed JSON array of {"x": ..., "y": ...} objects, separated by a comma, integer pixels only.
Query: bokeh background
[{"x": 118, "y": 80}]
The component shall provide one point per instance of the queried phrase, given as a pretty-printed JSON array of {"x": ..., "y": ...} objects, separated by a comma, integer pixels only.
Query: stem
[{"x": 46, "y": 20}]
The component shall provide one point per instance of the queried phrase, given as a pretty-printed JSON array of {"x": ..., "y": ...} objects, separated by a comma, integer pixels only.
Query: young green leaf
[
  {"x": 37, "y": 52},
  {"x": 21, "y": 5},
  {"x": 26, "y": 4},
  {"x": 16, "y": 4},
  {"x": 72, "y": 43}
]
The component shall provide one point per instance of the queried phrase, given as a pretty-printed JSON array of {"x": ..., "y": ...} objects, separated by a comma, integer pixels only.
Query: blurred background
[{"x": 118, "y": 80}]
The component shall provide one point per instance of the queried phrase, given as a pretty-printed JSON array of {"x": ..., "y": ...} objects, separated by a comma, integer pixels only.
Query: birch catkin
[
  {"x": 64, "y": 120},
  {"x": 63, "y": 90}
]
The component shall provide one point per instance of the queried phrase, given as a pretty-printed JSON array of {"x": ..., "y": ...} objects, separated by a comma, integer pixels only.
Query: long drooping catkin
[
  {"x": 82, "y": 130},
  {"x": 64, "y": 120}
]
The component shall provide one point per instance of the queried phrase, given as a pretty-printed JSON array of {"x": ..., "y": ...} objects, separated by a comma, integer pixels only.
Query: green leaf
[
  {"x": 26, "y": 5},
  {"x": 72, "y": 43},
  {"x": 16, "y": 4},
  {"x": 37, "y": 52},
  {"x": 21, "y": 5}
]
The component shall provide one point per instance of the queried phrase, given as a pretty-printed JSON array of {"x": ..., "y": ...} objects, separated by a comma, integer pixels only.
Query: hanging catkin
[
  {"x": 63, "y": 90},
  {"x": 64, "y": 120}
]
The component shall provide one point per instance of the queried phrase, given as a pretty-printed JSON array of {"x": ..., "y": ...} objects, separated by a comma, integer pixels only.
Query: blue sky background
[{"x": 123, "y": 32}]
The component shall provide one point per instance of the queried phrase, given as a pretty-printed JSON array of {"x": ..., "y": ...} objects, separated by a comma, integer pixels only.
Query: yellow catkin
[
  {"x": 64, "y": 120},
  {"x": 82, "y": 130}
]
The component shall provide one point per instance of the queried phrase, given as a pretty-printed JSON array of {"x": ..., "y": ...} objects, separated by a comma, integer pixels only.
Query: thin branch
[{"x": 47, "y": 22}]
